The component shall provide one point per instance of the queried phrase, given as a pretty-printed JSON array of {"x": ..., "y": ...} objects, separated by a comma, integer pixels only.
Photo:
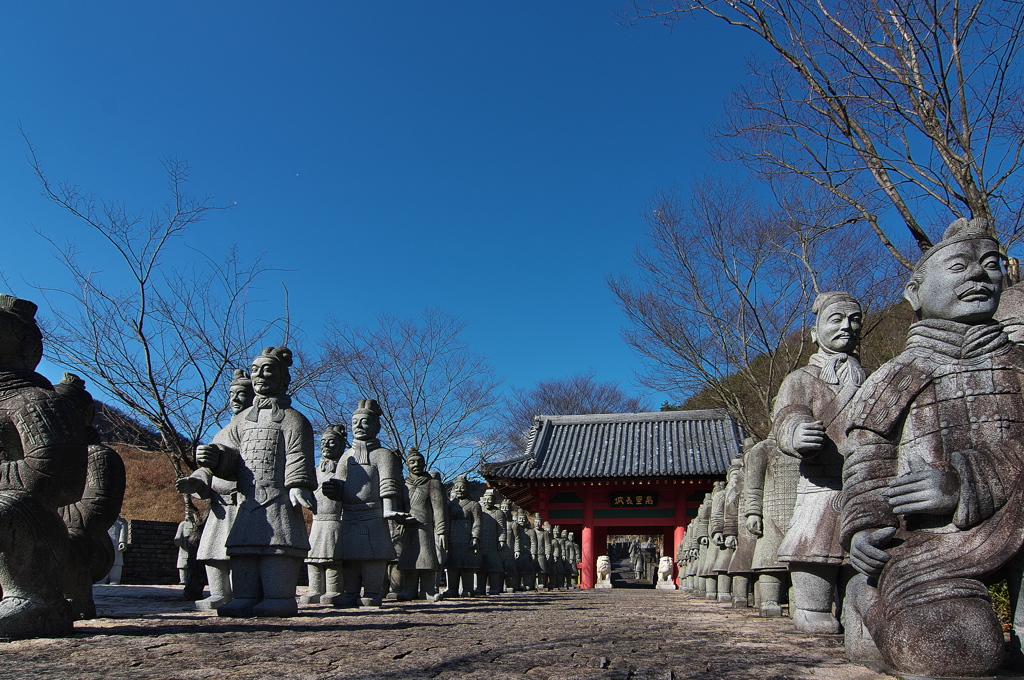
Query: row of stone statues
[
  {"x": 372, "y": 530},
  {"x": 60, "y": 488},
  {"x": 889, "y": 501}
]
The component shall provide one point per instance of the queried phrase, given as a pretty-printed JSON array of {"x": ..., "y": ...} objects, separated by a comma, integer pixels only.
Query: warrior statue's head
[
  {"x": 960, "y": 277},
  {"x": 240, "y": 392},
  {"x": 21, "y": 341},
  {"x": 269, "y": 371},
  {"x": 366, "y": 420},
  {"x": 415, "y": 462},
  {"x": 333, "y": 441},
  {"x": 460, "y": 488},
  {"x": 838, "y": 323}
]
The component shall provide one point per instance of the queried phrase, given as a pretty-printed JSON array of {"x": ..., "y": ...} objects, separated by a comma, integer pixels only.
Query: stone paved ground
[{"x": 148, "y": 632}]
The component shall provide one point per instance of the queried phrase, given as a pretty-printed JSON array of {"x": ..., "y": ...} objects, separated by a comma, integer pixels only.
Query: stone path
[{"x": 148, "y": 632}]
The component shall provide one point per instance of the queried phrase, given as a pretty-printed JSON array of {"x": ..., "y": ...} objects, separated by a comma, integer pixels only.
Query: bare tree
[
  {"x": 435, "y": 393},
  {"x": 905, "y": 111},
  {"x": 725, "y": 287},
  {"x": 577, "y": 394},
  {"x": 160, "y": 339}
]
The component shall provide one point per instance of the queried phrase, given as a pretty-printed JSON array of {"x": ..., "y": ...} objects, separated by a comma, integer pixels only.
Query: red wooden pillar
[
  {"x": 681, "y": 521},
  {"x": 589, "y": 576}
]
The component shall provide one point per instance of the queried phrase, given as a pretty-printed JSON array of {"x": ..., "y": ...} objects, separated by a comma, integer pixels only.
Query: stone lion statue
[
  {"x": 604, "y": 572},
  {"x": 665, "y": 569}
]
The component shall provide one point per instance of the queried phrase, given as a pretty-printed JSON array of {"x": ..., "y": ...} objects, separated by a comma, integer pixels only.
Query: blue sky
[{"x": 487, "y": 158}]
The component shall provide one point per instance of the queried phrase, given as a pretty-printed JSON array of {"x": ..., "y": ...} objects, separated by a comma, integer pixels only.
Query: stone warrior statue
[
  {"x": 769, "y": 494},
  {"x": 511, "y": 548},
  {"x": 737, "y": 531},
  {"x": 809, "y": 423},
  {"x": 526, "y": 575},
  {"x": 268, "y": 450},
  {"x": 418, "y": 562},
  {"x": 91, "y": 553},
  {"x": 222, "y": 497},
  {"x": 540, "y": 548},
  {"x": 323, "y": 562},
  {"x": 490, "y": 578},
  {"x": 368, "y": 484},
  {"x": 464, "y": 516},
  {"x": 117, "y": 534},
  {"x": 933, "y": 483},
  {"x": 43, "y": 465}
]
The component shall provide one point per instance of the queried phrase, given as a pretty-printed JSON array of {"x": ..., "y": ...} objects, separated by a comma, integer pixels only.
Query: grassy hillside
[{"x": 150, "y": 493}]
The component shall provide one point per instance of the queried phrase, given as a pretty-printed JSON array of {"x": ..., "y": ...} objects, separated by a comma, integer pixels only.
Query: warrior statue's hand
[
  {"x": 121, "y": 547},
  {"x": 923, "y": 490},
  {"x": 517, "y": 554},
  {"x": 730, "y": 542},
  {"x": 442, "y": 541},
  {"x": 754, "y": 525},
  {"x": 207, "y": 455},
  {"x": 332, "y": 489},
  {"x": 866, "y": 554},
  {"x": 192, "y": 486},
  {"x": 301, "y": 496},
  {"x": 402, "y": 518},
  {"x": 703, "y": 540},
  {"x": 474, "y": 543},
  {"x": 809, "y": 437},
  {"x": 718, "y": 539},
  {"x": 501, "y": 545}
]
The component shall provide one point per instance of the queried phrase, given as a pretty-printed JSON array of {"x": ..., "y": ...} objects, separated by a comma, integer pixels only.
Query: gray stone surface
[
  {"x": 615, "y": 634},
  {"x": 933, "y": 483},
  {"x": 43, "y": 466}
]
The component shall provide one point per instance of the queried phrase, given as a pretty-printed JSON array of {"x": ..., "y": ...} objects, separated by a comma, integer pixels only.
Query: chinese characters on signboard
[{"x": 633, "y": 499}]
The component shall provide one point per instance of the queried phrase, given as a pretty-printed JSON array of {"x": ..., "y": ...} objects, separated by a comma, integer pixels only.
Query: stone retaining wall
[{"x": 151, "y": 555}]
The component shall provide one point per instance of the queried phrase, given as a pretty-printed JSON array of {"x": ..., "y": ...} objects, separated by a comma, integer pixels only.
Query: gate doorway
[{"x": 634, "y": 559}]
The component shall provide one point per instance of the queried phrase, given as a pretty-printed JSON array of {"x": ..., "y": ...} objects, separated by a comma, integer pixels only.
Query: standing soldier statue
[
  {"x": 268, "y": 450},
  {"x": 368, "y": 484},
  {"x": 418, "y": 563},
  {"x": 221, "y": 496},
  {"x": 809, "y": 423}
]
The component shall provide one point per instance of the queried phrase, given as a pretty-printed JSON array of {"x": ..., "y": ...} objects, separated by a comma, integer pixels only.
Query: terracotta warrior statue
[
  {"x": 490, "y": 578},
  {"x": 268, "y": 450},
  {"x": 368, "y": 484},
  {"x": 323, "y": 562},
  {"x": 117, "y": 534},
  {"x": 43, "y": 467},
  {"x": 526, "y": 575},
  {"x": 933, "y": 483},
  {"x": 540, "y": 548},
  {"x": 418, "y": 562},
  {"x": 809, "y": 423},
  {"x": 91, "y": 553},
  {"x": 575, "y": 557},
  {"x": 737, "y": 531},
  {"x": 220, "y": 495},
  {"x": 725, "y": 548},
  {"x": 699, "y": 527},
  {"x": 465, "y": 527},
  {"x": 510, "y": 549},
  {"x": 769, "y": 493}
]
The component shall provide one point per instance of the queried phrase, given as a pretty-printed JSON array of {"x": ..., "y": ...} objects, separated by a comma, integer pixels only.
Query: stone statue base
[
  {"x": 665, "y": 585},
  {"x": 602, "y": 585}
]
